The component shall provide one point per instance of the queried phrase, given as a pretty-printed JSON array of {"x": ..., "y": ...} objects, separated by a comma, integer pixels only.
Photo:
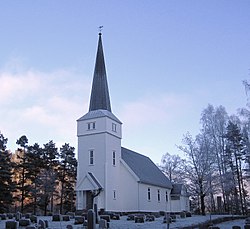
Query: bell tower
[{"x": 99, "y": 135}]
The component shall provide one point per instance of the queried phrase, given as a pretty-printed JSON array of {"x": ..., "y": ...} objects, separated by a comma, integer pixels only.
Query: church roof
[
  {"x": 145, "y": 169},
  {"x": 99, "y": 114},
  {"x": 176, "y": 189},
  {"x": 95, "y": 180},
  {"x": 100, "y": 94}
]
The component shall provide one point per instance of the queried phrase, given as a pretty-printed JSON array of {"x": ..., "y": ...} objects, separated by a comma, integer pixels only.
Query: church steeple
[{"x": 100, "y": 94}]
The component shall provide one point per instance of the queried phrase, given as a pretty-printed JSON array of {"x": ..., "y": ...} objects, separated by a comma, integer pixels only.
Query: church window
[
  {"x": 158, "y": 195},
  {"x": 166, "y": 196},
  {"x": 91, "y": 157},
  {"x": 114, "y": 127},
  {"x": 114, "y": 194},
  {"x": 113, "y": 159},
  {"x": 91, "y": 125},
  {"x": 149, "y": 194}
]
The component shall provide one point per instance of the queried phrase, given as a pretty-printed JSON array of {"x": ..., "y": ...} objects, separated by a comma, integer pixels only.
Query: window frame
[
  {"x": 159, "y": 195},
  {"x": 91, "y": 157},
  {"x": 149, "y": 194},
  {"x": 114, "y": 127},
  {"x": 166, "y": 196},
  {"x": 91, "y": 125},
  {"x": 114, "y": 158}
]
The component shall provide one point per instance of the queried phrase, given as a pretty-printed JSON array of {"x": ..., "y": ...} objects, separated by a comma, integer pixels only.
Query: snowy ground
[{"x": 157, "y": 224}]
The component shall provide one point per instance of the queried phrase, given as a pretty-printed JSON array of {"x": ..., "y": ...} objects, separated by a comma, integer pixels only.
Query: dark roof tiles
[
  {"x": 145, "y": 169},
  {"x": 100, "y": 94},
  {"x": 99, "y": 114}
]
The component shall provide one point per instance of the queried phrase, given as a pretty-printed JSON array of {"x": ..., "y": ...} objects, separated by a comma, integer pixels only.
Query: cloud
[{"x": 42, "y": 105}]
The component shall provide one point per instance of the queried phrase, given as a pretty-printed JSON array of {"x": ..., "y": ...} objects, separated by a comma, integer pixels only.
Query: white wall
[
  {"x": 129, "y": 190},
  {"x": 153, "y": 204},
  {"x": 103, "y": 141}
]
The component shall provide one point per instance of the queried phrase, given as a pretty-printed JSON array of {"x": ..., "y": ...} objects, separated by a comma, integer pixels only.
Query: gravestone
[
  {"x": 79, "y": 219},
  {"x": 10, "y": 225},
  {"x": 42, "y": 224},
  {"x": 66, "y": 218},
  {"x": 56, "y": 218},
  {"x": 24, "y": 222},
  {"x": 103, "y": 224},
  {"x": 33, "y": 219},
  {"x": 91, "y": 219}
]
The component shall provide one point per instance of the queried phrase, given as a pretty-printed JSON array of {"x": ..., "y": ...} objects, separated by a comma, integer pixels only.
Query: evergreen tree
[
  {"x": 67, "y": 177},
  {"x": 34, "y": 159},
  {"x": 49, "y": 176},
  {"x": 235, "y": 156},
  {"x": 21, "y": 170},
  {"x": 6, "y": 184}
]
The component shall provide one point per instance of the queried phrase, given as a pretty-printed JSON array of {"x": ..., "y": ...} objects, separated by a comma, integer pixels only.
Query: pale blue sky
[{"x": 166, "y": 60}]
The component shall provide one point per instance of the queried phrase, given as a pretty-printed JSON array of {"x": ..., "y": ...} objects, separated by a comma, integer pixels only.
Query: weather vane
[{"x": 100, "y": 28}]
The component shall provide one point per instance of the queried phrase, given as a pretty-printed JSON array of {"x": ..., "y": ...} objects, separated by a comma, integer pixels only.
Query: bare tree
[{"x": 173, "y": 167}]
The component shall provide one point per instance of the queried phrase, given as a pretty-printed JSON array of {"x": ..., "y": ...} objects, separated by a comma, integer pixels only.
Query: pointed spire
[{"x": 100, "y": 94}]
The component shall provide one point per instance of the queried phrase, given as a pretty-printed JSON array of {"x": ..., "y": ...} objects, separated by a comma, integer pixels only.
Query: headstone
[
  {"x": 42, "y": 224},
  {"x": 65, "y": 218},
  {"x": 91, "y": 219},
  {"x": 10, "y": 225},
  {"x": 3, "y": 216},
  {"x": 24, "y": 222},
  {"x": 56, "y": 218},
  {"x": 150, "y": 218},
  {"x": 106, "y": 217},
  {"x": 79, "y": 219},
  {"x": 139, "y": 218},
  {"x": 103, "y": 224},
  {"x": 10, "y": 215},
  {"x": 183, "y": 215},
  {"x": 33, "y": 219},
  {"x": 46, "y": 223},
  {"x": 116, "y": 217}
]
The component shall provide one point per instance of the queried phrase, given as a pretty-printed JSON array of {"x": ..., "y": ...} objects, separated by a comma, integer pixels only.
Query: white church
[{"x": 111, "y": 176}]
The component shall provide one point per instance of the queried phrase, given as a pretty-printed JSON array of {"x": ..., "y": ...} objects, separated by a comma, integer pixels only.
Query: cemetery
[{"x": 93, "y": 220}]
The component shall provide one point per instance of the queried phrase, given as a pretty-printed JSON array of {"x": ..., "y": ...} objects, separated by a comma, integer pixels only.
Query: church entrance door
[{"x": 89, "y": 200}]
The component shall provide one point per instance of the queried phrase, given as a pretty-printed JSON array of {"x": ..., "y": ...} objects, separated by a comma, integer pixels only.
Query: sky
[{"x": 166, "y": 60}]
